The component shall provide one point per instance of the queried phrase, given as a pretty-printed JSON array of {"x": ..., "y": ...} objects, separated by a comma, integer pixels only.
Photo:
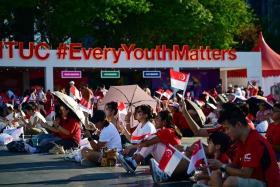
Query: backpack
[{"x": 16, "y": 146}]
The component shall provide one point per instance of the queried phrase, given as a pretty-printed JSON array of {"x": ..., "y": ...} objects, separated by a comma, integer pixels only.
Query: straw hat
[{"x": 199, "y": 112}]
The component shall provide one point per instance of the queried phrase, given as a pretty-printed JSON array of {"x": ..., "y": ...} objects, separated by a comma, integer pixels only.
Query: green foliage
[{"x": 215, "y": 23}]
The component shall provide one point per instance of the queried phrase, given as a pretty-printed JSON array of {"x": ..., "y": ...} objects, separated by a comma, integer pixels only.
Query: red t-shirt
[
  {"x": 224, "y": 158},
  {"x": 253, "y": 91},
  {"x": 180, "y": 121},
  {"x": 273, "y": 134},
  {"x": 250, "y": 117},
  {"x": 249, "y": 155},
  {"x": 73, "y": 126},
  {"x": 168, "y": 136}
]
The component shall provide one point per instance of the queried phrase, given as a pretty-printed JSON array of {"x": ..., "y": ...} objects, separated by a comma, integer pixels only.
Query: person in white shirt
[
  {"x": 145, "y": 128},
  {"x": 10, "y": 117},
  {"x": 42, "y": 96},
  {"x": 33, "y": 96},
  {"x": 34, "y": 125},
  {"x": 109, "y": 138}
]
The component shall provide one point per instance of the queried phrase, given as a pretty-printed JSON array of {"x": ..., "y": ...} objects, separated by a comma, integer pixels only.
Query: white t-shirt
[
  {"x": 41, "y": 117},
  {"x": 42, "y": 96},
  {"x": 111, "y": 136},
  {"x": 32, "y": 97},
  {"x": 140, "y": 133}
]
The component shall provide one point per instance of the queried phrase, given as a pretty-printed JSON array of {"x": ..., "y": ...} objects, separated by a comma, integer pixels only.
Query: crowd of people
[{"x": 242, "y": 131}]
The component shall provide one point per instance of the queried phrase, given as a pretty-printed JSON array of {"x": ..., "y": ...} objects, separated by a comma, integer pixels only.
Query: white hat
[{"x": 71, "y": 82}]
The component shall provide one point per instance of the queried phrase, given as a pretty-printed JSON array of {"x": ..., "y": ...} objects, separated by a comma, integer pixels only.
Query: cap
[{"x": 71, "y": 82}]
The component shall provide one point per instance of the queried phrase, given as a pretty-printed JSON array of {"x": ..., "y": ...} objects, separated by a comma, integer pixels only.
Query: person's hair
[
  {"x": 113, "y": 106},
  {"x": 99, "y": 116},
  {"x": 277, "y": 105},
  {"x": 167, "y": 117},
  {"x": 245, "y": 108},
  {"x": 70, "y": 114},
  {"x": 146, "y": 109},
  {"x": 264, "y": 105},
  {"x": 220, "y": 138},
  {"x": 35, "y": 105},
  {"x": 30, "y": 106},
  {"x": 232, "y": 114}
]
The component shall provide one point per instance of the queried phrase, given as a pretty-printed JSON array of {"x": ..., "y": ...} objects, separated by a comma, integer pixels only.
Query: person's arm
[
  {"x": 53, "y": 129},
  {"x": 244, "y": 172},
  {"x": 125, "y": 132},
  {"x": 97, "y": 146},
  {"x": 147, "y": 143},
  {"x": 127, "y": 122},
  {"x": 63, "y": 130}
]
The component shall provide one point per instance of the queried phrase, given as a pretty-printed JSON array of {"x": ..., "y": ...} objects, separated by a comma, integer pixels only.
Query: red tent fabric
[{"x": 270, "y": 61}]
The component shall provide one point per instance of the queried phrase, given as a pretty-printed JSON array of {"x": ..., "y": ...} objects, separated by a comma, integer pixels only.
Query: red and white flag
[
  {"x": 171, "y": 158},
  {"x": 122, "y": 111},
  {"x": 25, "y": 99},
  {"x": 179, "y": 80},
  {"x": 168, "y": 94},
  {"x": 75, "y": 93},
  {"x": 160, "y": 91},
  {"x": 198, "y": 156},
  {"x": 51, "y": 113}
]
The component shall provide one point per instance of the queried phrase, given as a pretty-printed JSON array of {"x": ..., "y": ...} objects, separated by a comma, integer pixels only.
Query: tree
[
  {"x": 215, "y": 23},
  {"x": 212, "y": 23}
]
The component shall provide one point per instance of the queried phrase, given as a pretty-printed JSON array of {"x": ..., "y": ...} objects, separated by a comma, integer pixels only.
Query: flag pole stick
[
  {"x": 205, "y": 159},
  {"x": 184, "y": 92}
]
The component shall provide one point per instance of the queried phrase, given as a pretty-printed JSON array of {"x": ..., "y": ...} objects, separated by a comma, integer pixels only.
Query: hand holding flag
[{"x": 198, "y": 156}]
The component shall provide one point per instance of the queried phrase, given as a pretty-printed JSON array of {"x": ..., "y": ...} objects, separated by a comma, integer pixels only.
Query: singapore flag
[{"x": 179, "y": 80}]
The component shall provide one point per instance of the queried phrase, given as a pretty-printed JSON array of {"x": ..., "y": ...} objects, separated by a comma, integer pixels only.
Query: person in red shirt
[
  {"x": 180, "y": 121},
  {"x": 273, "y": 131},
  {"x": 253, "y": 88},
  {"x": 254, "y": 164},
  {"x": 156, "y": 144},
  {"x": 66, "y": 130}
]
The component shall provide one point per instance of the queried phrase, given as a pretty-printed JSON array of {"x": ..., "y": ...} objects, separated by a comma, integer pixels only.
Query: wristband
[{"x": 223, "y": 168}]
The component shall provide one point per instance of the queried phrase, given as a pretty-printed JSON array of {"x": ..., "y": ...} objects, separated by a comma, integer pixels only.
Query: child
[{"x": 218, "y": 145}]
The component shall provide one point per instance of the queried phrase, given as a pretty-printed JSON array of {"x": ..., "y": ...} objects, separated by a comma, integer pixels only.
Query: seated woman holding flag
[
  {"x": 160, "y": 145},
  {"x": 145, "y": 128}
]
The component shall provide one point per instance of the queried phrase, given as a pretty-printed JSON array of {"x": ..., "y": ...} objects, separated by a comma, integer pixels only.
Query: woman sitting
[
  {"x": 144, "y": 129},
  {"x": 65, "y": 133},
  {"x": 156, "y": 145}
]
